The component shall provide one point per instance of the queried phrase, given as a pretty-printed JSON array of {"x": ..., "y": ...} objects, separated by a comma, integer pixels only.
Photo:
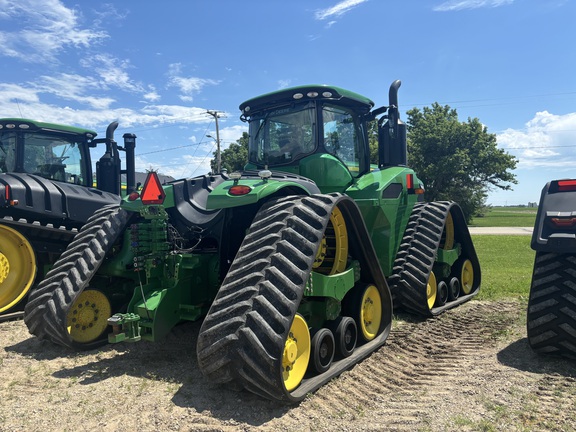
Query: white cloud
[
  {"x": 547, "y": 141},
  {"x": 453, "y": 5},
  {"x": 25, "y": 101},
  {"x": 282, "y": 84},
  {"x": 229, "y": 134},
  {"x": 72, "y": 87},
  {"x": 338, "y": 9},
  {"x": 151, "y": 95},
  {"x": 48, "y": 27},
  {"x": 10, "y": 94},
  {"x": 187, "y": 85},
  {"x": 176, "y": 114},
  {"x": 112, "y": 72}
]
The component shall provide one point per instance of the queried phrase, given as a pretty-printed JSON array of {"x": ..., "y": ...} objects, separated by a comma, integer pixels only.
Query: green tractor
[
  {"x": 47, "y": 195},
  {"x": 293, "y": 264},
  {"x": 551, "y": 316}
]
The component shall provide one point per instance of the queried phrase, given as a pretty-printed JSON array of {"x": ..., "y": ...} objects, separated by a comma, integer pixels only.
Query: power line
[{"x": 171, "y": 148}]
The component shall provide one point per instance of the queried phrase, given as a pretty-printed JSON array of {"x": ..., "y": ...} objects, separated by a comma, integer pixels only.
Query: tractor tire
[
  {"x": 551, "y": 318},
  {"x": 412, "y": 269},
  {"x": 48, "y": 305},
  {"x": 242, "y": 339}
]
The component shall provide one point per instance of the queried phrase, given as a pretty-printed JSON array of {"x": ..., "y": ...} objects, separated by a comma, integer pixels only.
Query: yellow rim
[
  {"x": 467, "y": 277},
  {"x": 447, "y": 241},
  {"x": 333, "y": 253},
  {"x": 370, "y": 312},
  {"x": 431, "y": 290},
  {"x": 88, "y": 317},
  {"x": 296, "y": 354},
  {"x": 17, "y": 267}
]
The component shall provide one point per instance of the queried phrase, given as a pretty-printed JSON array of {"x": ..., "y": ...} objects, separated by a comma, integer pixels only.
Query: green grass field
[
  {"x": 506, "y": 264},
  {"x": 506, "y": 261},
  {"x": 506, "y": 216}
]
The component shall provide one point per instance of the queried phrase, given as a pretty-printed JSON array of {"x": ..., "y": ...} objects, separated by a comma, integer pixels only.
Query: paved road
[{"x": 502, "y": 230}]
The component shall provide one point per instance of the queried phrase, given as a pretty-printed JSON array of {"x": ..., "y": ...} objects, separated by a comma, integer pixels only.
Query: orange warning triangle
[{"x": 152, "y": 192}]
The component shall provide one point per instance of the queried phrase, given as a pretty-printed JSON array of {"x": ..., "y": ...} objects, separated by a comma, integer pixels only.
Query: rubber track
[
  {"x": 48, "y": 304},
  {"x": 241, "y": 341},
  {"x": 415, "y": 257},
  {"x": 551, "y": 320}
]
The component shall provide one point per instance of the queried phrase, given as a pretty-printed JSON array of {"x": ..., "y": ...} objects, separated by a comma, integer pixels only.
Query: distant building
[{"x": 141, "y": 178}]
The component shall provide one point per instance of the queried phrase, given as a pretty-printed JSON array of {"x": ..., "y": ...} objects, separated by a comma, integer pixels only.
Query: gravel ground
[{"x": 469, "y": 369}]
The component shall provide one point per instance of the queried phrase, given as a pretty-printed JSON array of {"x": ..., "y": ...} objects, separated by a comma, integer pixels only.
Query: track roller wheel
[
  {"x": 466, "y": 276},
  {"x": 323, "y": 348},
  {"x": 296, "y": 355},
  {"x": 87, "y": 318},
  {"x": 431, "y": 290},
  {"x": 453, "y": 289},
  {"x": 365, "y": 306},
  {"x": 345, "y": 335},
  {"x": 17, "y": 267},
  {"x": 443, "y": 293}
]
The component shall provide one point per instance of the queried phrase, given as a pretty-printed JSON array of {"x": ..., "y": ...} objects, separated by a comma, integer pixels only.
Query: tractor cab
[
  {"x": 321, "y": 133},
  {"x": 318, "y": 132},
  {"x": 50, "y": 151},
  {"x": 62, "y": 153}
]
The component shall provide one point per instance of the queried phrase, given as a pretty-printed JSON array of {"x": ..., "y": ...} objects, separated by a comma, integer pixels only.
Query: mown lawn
[
  {"x": 506, "y": 264},
  {"x": 506, "y": 216}
]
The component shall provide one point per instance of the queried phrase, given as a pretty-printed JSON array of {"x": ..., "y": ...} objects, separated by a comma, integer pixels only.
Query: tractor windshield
[
  {"x": 50, "y": 156},
  {"x": 282, "y": 136}
]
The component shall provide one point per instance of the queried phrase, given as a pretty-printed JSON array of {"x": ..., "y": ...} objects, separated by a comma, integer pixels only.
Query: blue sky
[{"x": 157, "y": 67}]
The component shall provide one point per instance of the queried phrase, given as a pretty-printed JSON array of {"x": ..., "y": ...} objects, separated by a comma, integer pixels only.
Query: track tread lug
[{"x": 551, "y": 315}]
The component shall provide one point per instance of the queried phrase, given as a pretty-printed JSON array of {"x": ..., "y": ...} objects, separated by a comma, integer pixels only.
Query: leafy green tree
[
  {"x": 456, "y": 160},
  {"x": 234, "y": 157},
  {"x": 373, "y": 141}
]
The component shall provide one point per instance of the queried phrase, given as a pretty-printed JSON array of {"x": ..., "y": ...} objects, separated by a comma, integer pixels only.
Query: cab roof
[
  {"x": 33, "y": 125},
  {"x": 308, "y": 92}
]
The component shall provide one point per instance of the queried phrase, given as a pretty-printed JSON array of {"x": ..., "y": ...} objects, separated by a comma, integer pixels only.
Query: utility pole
[{"x": 218, "y": 156}]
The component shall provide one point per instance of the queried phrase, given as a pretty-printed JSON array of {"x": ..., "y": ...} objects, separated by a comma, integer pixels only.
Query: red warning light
[
  {"x": 152, "y": 192},
  {"x": 238, "y": 190},
  {"x": 566, "y": 185},
  {"x": 409, "y": 181}
]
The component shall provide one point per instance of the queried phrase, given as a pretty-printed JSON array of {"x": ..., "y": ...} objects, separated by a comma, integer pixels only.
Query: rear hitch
[{"x": 124, "y": 328}]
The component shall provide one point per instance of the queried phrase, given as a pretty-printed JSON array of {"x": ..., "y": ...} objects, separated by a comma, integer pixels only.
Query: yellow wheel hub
[
  {"x": 296, "y": 354},
  {"x": 370, "y": 313},
  {"x": 4, "y": 267},
  {"x": 431, "y": 290},
  {"x": 467, "y": 277},
  {"x": 88, "y": 316},
  {"x": 17, "y": 267},
  {"x": 332, "y": 256}
]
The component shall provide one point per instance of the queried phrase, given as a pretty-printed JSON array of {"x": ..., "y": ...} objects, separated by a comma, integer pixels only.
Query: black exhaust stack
[
  {"x": 392, "y": 147},
  {"x": 108, "y": 167}
]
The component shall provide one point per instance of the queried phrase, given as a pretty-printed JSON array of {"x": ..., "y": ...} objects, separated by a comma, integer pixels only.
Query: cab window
[{"x": 342, "y": 134}]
